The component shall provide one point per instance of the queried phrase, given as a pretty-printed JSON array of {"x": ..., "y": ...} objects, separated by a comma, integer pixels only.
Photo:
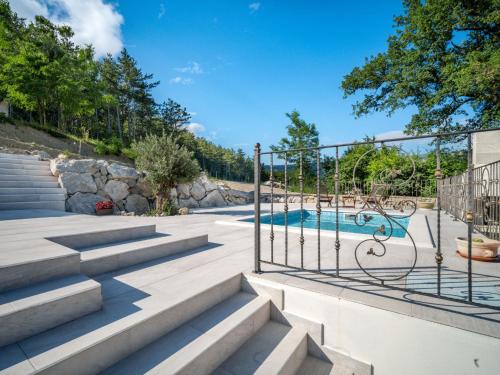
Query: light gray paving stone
[
  {"x": 25, "y": 172},
  {"x": 27, "y": 311},
  {"x": 201, "y": 344},
  {"x": 25, "y": 198},
  {"x": 275, "y": 348},
  {"x": 46, "y": 205},
  {"x": 109, "y": 258},
  {"x": 126, "y": 324},
  {"x": 89, "y": 238},
  {"x": 13, "y": 361},
  {"x": 316, "y": 366}
]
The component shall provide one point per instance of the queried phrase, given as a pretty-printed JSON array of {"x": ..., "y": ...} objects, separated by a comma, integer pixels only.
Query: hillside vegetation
[{"x": 60, "y": 87}]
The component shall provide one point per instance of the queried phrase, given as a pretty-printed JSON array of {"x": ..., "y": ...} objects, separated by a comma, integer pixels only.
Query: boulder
[
  {"x": 184, "y": 211},
  {"x": 198, "y": 190},
  {"x": 213, "y": 199},
  {"x": 117, "y": 190},
  {"x": 58, "y": 166},
  {"x": 83, "y": 203},
  {"x": 122, "y": 172},
  {"x": 189, "y": 203},
  {"x": 137, "y": 203},
  {"x": 42, "y": 155},
  {"x": 102, "y": 165},
  {"x": 143, "y": 188},
  {"x": 77, "y": 182},
  {"x": 183, "y": 191},
  {"x": 207, "y": 184},
  {"x": 100, "y": 181}
]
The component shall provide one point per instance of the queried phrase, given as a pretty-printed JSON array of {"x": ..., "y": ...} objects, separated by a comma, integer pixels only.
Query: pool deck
[{"x": 231, "y": 251}]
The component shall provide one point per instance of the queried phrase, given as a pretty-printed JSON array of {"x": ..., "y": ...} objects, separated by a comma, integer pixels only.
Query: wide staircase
[
  {"x": 54, "y": 319},
  {"x": 27, "y": 183}
]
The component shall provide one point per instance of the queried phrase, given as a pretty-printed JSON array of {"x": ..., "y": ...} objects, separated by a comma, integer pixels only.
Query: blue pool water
[{"x": 346, "y": 222}]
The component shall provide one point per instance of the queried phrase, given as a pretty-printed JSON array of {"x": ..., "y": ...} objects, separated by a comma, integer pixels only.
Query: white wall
[
  {"x": 395, "y": 344},
  {"x": 485, "y": 147}
]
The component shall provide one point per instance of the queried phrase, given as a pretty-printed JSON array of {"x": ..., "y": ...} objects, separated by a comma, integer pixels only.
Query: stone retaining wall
[{"x": 88, "y": 181}]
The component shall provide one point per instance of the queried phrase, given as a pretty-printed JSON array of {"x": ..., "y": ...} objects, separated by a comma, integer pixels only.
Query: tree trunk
[
  {"x": 109, "y": 123},
  {"x": 118, "y": 123}
]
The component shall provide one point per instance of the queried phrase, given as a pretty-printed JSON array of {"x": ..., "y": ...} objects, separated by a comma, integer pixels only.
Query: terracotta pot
[
  {"x": 428, "y": 205},
  {"x": 104, "y": 211},
  {"x": 485, "y": 251}
]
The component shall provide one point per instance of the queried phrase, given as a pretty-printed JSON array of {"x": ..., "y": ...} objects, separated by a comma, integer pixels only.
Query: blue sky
[{"x": 240, "y": 65}]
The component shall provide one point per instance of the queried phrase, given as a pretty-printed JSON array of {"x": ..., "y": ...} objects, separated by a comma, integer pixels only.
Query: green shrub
[
  {"x": 115, "y": 146},
  {"x": 110, "y": 147},
  {"x": 130, "y": 152},
  {"x": 166, "y": 164},
  {"x": 101, "y": 148}
]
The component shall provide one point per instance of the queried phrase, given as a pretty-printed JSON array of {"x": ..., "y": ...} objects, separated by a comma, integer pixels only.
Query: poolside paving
[{"x": 230, "y": 251}]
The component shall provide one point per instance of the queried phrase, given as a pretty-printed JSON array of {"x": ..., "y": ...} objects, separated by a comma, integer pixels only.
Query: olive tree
[{"x": 166, "y": 164}]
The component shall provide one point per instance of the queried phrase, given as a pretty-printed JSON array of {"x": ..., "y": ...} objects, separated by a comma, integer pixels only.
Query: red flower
[{"x": 103, "y": 205}]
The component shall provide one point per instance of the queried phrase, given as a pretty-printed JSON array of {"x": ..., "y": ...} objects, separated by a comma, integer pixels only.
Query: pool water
[{"x": 346, "y": 222}]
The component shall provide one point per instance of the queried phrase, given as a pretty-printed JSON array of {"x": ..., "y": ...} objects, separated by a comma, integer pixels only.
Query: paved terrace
[{"x": 230, "y": 251}]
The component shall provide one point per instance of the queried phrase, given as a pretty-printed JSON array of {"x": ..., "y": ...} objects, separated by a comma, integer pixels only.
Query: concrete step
[
  {"x": 34, "y": 165},
  {"x": 29, "y": 178},
  {"x": 19, "y": 157},
  {"x": 312, "y": 365},
  {"x": 24, "y": 162},
  {"x": 29, "y": 184},
  {"x": 85, "y": 240},
  {"x": 26, "y": 172},
  {"x": 30, "y": 190},
  {"x": 97, "y": 260},
  {"x": 54, "y": 197},
  {"x": 34, "y": 309},
  {"x": 46, "y": 205},
  {"x": 23, "y": 266},
  {"x": 274, "y": 349},
  {"x": 202, "y": 344},
  {"x": 126, "y": 323}
]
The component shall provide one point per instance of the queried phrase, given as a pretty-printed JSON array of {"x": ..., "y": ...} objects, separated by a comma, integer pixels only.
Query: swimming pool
[{"x": 346, "y": 221}]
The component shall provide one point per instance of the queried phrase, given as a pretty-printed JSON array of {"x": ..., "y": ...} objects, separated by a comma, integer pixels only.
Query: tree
[
  {"x": 166, "y": 164},
  {"x": 444, "y": 59},
  {"x": 173, "y": 117},
  {"x": 301, "y": 135}
]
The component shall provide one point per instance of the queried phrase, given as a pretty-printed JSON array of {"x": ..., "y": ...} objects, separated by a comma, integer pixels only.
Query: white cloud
[
  {"x": 390, "y": 134},
  {"x": 162, "y": 11},
  {"x": 254, "y": 7},
  {"x": 191, "y": 68},
  {"x": 195, "y": 127},
  {"x": 181, "y": 81},
  {"x": 93, "y": 21}
]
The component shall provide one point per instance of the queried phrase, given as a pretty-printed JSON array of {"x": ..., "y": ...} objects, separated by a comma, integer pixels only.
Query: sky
[{"x": 239, "y": 66}]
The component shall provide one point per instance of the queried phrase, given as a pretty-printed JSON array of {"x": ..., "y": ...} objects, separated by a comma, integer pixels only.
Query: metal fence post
[
  {"x": 438, "y": 174},
  {"x": 469, "y": 216},
  {"x": 256, "y": 167}
]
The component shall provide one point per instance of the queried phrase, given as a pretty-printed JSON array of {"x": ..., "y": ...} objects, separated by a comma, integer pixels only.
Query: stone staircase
[
  {"x": 27, "y": 183},
  {"x": 54, "y": 319}
]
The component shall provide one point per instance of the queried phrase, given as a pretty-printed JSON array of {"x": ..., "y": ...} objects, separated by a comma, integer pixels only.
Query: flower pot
[
  {"x": 426, "y": 205},
  {"x": 484, "y": 251},
  {"x": 104, "y": 211}
]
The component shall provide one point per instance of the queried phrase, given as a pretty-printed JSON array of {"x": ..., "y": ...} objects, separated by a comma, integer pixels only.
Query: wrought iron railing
[
  {"x": 382, "y": 219},
  {"x": 486, "y": 198}
]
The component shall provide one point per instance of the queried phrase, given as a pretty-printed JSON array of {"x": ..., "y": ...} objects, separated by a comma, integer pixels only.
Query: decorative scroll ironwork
[
  {"x": 379, "y": 201},
  {"x": 486, "y": 198},
  {"x": 473, "y": 197}
]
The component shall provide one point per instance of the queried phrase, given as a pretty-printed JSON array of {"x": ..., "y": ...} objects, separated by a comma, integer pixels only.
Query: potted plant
[
  {"x": 426, "y": 203},
  {"x": 483, "y": 249},
  {"x": 104, "y": 208}
]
